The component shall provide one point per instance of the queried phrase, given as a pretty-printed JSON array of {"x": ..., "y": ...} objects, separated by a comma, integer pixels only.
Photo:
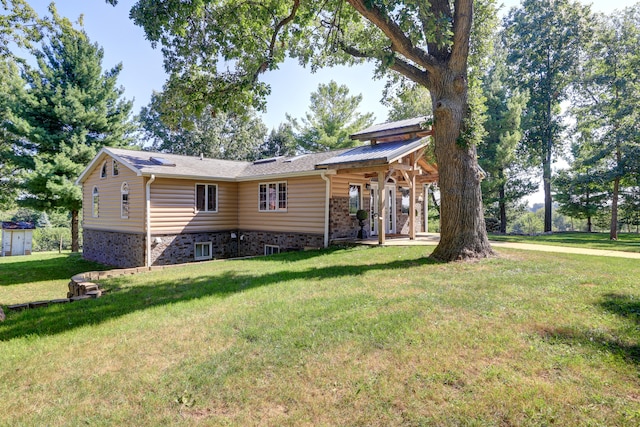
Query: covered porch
[{"x": 392, "y": 173}]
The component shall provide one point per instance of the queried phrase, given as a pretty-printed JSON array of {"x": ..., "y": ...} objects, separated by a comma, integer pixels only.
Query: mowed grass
[
  {"x": 353, "y": 337},
  {"x": 627, "y": 242},
  {"x": 41, "y": 276}
]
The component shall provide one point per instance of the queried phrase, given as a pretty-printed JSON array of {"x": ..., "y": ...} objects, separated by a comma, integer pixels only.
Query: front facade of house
[{"x": 144, "y": 209}]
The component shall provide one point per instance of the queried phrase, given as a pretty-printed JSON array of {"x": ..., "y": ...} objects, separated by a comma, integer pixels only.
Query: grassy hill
[{"x": 361, "y": 336}]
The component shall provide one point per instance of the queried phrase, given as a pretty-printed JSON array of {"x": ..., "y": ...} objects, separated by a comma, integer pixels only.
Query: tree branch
[
  {"x": 399, "y": 41},
  {"x": 439, "y": 8},
  {"x": 462, "y": 21},
  {"x": 274, "y": 38},
  {"x": 399, "y": 65}
]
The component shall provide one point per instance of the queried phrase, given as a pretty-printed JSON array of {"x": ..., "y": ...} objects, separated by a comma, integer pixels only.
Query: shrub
[{"x": 48, "y": 239}]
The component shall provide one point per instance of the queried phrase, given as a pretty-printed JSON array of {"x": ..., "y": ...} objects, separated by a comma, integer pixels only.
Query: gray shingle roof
[
  {"x": 185, "y": 166},
  {"x": 384, "y": 152}
]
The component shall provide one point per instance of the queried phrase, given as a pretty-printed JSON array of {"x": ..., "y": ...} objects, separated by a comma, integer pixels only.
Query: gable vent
[{"x": 161, "y": 161}]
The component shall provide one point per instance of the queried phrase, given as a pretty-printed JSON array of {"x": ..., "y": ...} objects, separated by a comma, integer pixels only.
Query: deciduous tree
[
  {"x": 544, "y": 39},
  {"x": 607, "y": 99},
  {"x": 217, "y": 135}
]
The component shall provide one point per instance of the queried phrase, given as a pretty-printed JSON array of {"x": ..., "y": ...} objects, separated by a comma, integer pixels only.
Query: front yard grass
[
  {"x": 627, "y": 242},
  {"x": 363, "y": 336}
]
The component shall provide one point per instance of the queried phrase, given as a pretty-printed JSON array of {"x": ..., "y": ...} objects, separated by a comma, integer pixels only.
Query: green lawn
[
  {"x": 627, "y": 242},
  {"x": 361, "y": 337},
  {"x": 41, "y": 276}
]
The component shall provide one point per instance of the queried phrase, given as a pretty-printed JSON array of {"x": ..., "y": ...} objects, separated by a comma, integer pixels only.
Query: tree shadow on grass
[
  {"x": 624, "y": 342},
  {"x": 62, "y": 267},
  {"x": 122, "y": 301}
]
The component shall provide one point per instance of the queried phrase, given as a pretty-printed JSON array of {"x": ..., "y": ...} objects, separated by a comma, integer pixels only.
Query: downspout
[
  {"x": 326, "y": 208},
  {"x": 148, "y": 218}
]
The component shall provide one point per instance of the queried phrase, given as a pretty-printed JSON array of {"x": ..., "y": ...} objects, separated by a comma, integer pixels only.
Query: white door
[
  {"x": 390, "y": 211},
  {"x": 17, "y": 245}
]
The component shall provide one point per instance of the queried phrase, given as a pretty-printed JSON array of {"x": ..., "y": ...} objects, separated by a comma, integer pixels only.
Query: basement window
[
  {"x": 271, "y": 249},
  {"x": 203, "y": 250}
]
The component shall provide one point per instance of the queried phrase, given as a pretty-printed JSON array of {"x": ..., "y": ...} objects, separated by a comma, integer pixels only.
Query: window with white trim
[
  {"x": 114, "y": 168},
  {"x": 355, "y": 198},
  {"x": 95, "y": 202},
  {"x": 271, "y": 249},
  {"x": 272, "y": 196},
  {"x": 203, "y": 250},
  {"x": 206, "y": 198},
  {"x": 124, "y": 201},
  {"x": 103, "y": 170}
]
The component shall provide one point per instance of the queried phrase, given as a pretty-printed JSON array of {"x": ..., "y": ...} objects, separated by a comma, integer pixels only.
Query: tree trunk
[
  {"x": 589, "y": 226},
  {"x": 463, "y": 234},
  {"x": 613, "y": 230},
  {"x": 502, "y": 205},
  {"x": 75, "y": 246},
  {"x": 548, "y": 202}
]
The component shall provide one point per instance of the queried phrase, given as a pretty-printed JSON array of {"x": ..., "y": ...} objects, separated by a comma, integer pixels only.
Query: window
[
  {"x": 272, "y": 196},
  {"x": 271, "y": 249},
  {"x": 355, "y": 198},
  {"x": 124, "y": 200},
  {"x": 206, "y": 197},
  {"x": 203, "y": 250},
  {"x": 103, "y": 170},
  {"x": 404, "y": 206},
  {"x": 95, "y": 203},
  {"x": 115, "y": 168}
]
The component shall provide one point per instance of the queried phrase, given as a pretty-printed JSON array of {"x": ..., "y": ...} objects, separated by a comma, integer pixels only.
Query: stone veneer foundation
[
  {"x": 128, "y": 250},
  {"x": 123, "y": 250},
  {"x": 252, "y": 243},
  {"x": 180, "y": 248}
]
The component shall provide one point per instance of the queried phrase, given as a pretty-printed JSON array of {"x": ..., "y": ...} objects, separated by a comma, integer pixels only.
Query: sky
[{"x": 291, "y": 85}]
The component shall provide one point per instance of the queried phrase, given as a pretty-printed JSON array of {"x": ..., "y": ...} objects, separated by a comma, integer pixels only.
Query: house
[
  {"x": 16, "y": 238},
  {"x": 143, "y": 209}
]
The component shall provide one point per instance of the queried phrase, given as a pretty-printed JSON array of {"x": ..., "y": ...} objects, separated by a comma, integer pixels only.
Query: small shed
[{"x": 16, "y": 238}]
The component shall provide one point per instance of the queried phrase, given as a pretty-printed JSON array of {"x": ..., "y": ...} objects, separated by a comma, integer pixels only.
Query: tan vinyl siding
[
  {"x": 305, "y": 207},
  {"x": 110, "y": 199},
  {"x": 340, "y": 184},
  {"x": 173, "y": 207}
]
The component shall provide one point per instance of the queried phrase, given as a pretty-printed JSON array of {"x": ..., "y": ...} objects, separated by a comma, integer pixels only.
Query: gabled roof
[
  {"x": 391, "y": 129},
  {"x": 145, "y": 163},
  {"x": 403, "y": 137},
  {"x": 385, "y": 153}
]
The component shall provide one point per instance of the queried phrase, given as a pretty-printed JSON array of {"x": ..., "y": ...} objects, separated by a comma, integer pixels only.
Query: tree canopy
[
  {"x": 220, "y": 135},
  {"x": 545, "y": 39}
]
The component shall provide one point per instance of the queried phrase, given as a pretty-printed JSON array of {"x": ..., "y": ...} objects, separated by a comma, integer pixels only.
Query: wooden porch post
[
  {"x": 412, "y": 207},
  {"x": 382, "y": 201}
]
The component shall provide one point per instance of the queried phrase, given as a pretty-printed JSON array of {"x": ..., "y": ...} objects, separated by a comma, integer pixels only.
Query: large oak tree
[{"x": 216, "y": 51}]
